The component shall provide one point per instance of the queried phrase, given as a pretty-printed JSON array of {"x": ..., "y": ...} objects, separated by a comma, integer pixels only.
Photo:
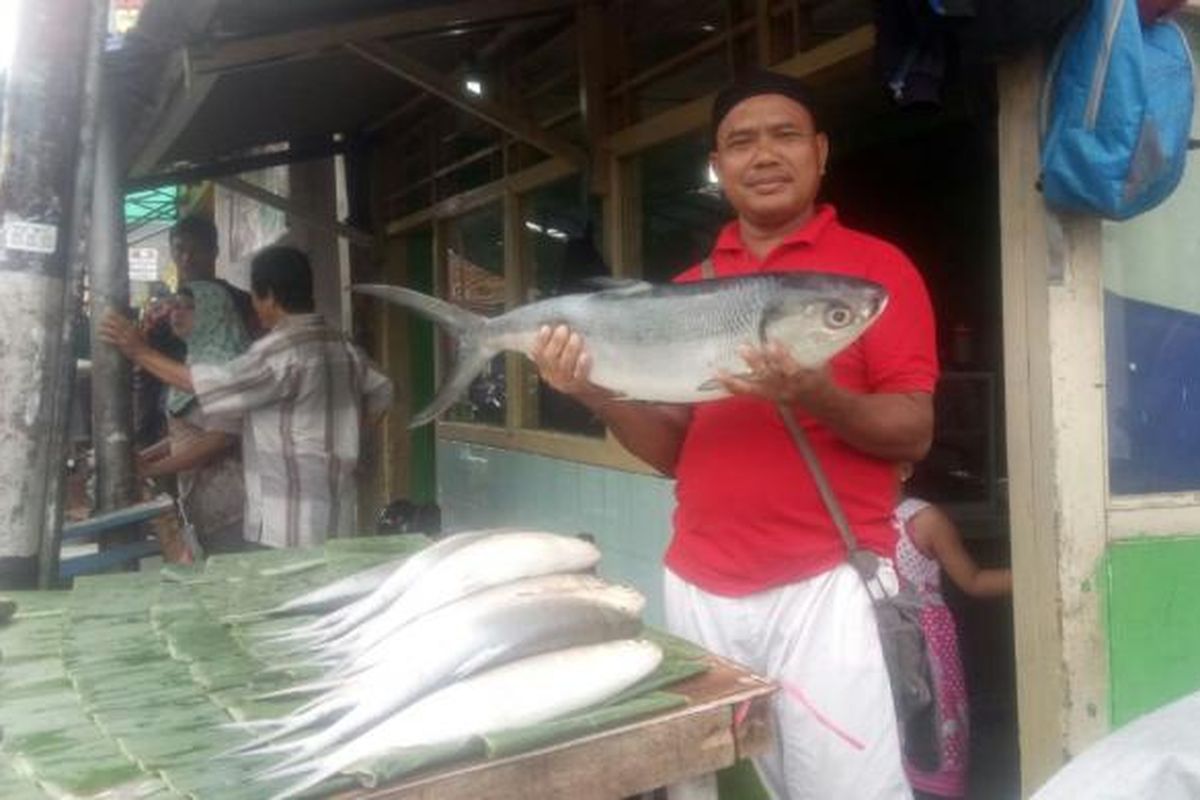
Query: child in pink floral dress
[{"x": 928, "y": 544}]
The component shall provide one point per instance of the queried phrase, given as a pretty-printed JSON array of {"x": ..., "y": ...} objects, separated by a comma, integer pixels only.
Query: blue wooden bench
[{"x": 107, "y": 524}]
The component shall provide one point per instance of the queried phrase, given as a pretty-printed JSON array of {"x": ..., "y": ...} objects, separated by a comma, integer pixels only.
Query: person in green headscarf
[{"x": 206, "y": 463}]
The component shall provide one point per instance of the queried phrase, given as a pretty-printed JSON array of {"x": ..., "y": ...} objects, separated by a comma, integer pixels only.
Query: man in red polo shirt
[{"x": 756, "y": 570}]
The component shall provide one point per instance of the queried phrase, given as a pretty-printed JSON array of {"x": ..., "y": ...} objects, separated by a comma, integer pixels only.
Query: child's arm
[{"x": 940, "y": 537}]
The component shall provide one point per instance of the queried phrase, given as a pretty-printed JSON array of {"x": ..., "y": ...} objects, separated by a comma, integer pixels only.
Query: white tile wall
[{"x": 629, "y": 514}]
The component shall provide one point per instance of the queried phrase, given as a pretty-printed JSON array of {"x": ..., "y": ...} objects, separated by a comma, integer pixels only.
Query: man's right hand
[
  {"x": 564, "y": 364},
  {"x": 653, "y": 432},
  {"x": 117, "y": 330}
]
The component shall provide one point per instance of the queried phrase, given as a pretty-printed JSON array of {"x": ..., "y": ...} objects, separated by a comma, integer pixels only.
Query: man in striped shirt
[{"x": 300, "y": 397}]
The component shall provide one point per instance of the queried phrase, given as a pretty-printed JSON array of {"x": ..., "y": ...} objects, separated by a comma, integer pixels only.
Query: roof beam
[
  {"x": 435, "y": 83},
  {"x": 174, "y": 120},
  {"x": 177, "y": 93},
  {"x": 250, "y": 51},
  {"x": 268, "y": 198},
  {"x": 236, "y": 165}
]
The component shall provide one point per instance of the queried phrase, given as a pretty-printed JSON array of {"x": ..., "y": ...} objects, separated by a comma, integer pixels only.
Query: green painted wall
[{"x": 1153, "y": 616}]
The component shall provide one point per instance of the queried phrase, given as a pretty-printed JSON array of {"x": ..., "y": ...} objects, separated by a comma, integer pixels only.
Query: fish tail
[
  {"x": 312, "y": 779},
  {"x": 248, "y": 616},
  {"x": 471, "y": 356},
  {"x": 311, "y": 687}
]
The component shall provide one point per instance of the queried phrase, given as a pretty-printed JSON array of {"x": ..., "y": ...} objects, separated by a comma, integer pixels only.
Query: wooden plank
[
  {"x": 669, "y": 65},
  {"x": 725, "y": 703},
  {"x": 620, "y": 764},
  {"x": 520, "y": 406},
  {"x": 592, "y": 79},
  {"x": 552, "y": 444},
  {"x": 107, "y": 558},
  {"x": 1172, "y": 515},
  {"x": 1024, "y": 269},
  {"x": 120, "y": 518},
  {"x": 1081, "y": 478},
  {"x": 269, "y": 198},
  {"x": 245, "y": 52},
  {"x": 762, "y": 32},
  {"x": 432, "y": 81},
  {"x": 547, "y": 171},
  {"x": 187, "y": 99},
  {"x": 694, "y": 115}
]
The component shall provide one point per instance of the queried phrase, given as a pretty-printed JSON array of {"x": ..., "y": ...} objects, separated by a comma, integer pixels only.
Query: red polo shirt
[{"x": 748, "y": 514}]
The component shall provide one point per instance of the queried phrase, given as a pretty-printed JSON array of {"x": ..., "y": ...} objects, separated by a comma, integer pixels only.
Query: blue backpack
[{"x": 1116, "y": 113}]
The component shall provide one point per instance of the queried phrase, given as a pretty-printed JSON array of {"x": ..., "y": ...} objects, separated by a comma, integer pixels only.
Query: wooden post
[
  {"x": 590, "y": 28},
  {"x": 521, "y": 409},
  {"x": 762, "y": 30},
  {"x": 1054, "y": 403}
]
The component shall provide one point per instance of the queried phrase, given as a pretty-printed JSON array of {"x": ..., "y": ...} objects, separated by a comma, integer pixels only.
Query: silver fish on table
[
  {"x": 395, "y": 583},
  {"x": 523, "y": 692},
  {"x": 478, "y": 564},
  {"x": 477, "y": 633},
  {"x": 327, "y": 598},
  {"x": 662, "y": 343}
]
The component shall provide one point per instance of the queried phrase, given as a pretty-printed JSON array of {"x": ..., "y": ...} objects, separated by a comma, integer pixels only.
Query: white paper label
[
  {"x": 143, "y": 264},
  {"x": 30, "y": 237}
]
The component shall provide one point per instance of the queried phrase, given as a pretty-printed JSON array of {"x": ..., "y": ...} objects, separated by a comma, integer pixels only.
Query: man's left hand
[
  {"x": 122, "y": 334},
  {"x": 774, "y": 375}
]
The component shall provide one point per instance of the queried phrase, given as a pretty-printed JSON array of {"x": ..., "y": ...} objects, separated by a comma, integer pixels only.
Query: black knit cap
[{"x": 754, "y": 83}]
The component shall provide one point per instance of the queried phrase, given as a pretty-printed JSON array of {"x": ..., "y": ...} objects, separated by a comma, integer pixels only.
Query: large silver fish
[
  {"x": 479, "y": 563},
  {"x": 395, "y": 583},
  {"x": 523, "y": 692},
  {"x": 328, "y": 598},
  {"x": 471, "y": 633},
  {"x": 442, "y": 648},
  {"x": 662, "y": 343}
]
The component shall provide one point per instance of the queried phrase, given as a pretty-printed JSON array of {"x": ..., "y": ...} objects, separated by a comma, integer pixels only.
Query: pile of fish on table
[{"x": 480, "y": 632}]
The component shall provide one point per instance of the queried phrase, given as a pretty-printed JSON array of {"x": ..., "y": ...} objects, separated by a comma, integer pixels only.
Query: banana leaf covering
[{"x": 124, "y": 688}]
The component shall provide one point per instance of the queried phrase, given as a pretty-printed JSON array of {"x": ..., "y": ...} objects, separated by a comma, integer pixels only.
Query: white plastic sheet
[{"x": 1155, "y": 757}]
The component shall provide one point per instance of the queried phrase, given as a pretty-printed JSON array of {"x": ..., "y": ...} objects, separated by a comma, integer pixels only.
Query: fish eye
[{"x": 838, "y": 316}]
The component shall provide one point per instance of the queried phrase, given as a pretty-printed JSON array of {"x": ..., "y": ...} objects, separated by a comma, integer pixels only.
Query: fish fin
[
  {"x": 607, "y": 283},
  {"x": 714, "y": 384},
  {"x": 621, "y": 287}
]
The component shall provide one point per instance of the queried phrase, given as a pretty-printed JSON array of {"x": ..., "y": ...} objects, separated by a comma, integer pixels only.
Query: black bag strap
[{"x": 864, "y": 561}]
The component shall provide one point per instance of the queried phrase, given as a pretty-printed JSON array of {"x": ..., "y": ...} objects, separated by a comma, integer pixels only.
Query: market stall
[{"x": 136, "y": 685}]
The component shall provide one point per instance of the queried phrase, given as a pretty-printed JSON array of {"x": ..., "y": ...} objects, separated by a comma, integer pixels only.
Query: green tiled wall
[
  {"x": 630, "y": 515},
  {"x": 1153, "y": 610}
]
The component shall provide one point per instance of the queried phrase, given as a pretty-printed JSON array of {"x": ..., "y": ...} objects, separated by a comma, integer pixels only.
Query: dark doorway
[{"x": 927, "y": 180}]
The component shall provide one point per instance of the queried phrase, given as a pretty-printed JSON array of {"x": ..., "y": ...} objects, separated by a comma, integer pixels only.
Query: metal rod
[
  {"x": 112, "y": 402},
  {"x": 40, "y": 95}
]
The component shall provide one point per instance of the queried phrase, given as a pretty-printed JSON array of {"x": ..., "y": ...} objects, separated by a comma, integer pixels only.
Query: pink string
[
  {"x": 739, "y": 715},
  {"x": 798, "y": 695}
]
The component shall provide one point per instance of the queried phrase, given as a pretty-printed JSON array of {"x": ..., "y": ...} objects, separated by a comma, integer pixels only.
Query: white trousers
[{"x": 835, "y": 727}]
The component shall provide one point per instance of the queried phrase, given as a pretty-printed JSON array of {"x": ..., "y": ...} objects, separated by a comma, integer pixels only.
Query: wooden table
[{"x": 727, "y": 718}]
